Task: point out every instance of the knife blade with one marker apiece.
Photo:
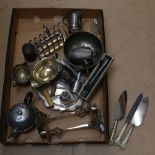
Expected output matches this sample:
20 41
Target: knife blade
137 120
128 119
118 114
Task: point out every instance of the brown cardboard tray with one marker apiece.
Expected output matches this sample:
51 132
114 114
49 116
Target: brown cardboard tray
22 29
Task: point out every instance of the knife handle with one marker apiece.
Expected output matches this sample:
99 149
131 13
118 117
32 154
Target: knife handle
126 139
113 132
121 134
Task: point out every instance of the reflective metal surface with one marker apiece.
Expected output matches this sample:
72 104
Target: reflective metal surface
137 120
21 117
95 123
83 40
118 114
74 21
21 75
120 107
128 119
44 71
77 84
134 108
95 77
64 63
72 107
59 104
139 115
50 41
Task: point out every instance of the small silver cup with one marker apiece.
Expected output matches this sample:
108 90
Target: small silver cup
74 21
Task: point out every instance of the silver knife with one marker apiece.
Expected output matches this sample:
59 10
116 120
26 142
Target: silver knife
118 114
137 120
128 119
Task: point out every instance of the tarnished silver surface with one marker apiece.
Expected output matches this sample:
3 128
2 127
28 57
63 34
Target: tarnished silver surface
21 116
21 113
43 118
113 132
128 119
83 40
74 21
95 77
95 123
120 107
59 102
63 62
51 40
137 120
77 84
21 75
73 107
75 102
118 114
61 87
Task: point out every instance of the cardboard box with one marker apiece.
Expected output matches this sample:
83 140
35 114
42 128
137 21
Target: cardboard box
23 28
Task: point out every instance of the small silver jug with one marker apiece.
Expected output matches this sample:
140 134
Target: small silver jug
74 21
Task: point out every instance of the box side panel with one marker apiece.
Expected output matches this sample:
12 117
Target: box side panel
7 76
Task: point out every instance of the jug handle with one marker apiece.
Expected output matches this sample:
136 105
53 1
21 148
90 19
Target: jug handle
63 20
28 98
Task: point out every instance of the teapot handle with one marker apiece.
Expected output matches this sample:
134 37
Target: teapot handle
28 98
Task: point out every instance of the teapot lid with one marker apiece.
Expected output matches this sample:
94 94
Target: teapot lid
19 113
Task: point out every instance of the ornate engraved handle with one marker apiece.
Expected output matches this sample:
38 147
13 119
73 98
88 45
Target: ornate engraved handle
121 134
125 141
113 133
56 131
